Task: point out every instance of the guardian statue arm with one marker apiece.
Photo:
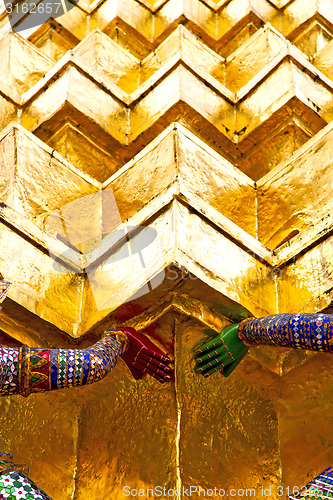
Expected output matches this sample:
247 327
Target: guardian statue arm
300 331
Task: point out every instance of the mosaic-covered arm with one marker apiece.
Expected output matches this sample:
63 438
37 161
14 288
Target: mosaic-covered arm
15 484
301 331
319 488
31 369
26 370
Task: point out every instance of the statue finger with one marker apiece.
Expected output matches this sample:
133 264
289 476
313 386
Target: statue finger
210 345
159 375
158 362
211 370
229 369
147 367
212 365
214 353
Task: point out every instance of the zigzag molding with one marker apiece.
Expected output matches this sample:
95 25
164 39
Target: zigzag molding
174 203
285 70
182 159
97 50
212 20
124 279
239 129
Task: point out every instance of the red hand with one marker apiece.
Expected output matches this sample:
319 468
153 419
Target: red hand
143 357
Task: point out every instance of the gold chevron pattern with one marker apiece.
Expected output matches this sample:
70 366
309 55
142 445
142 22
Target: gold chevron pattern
168 165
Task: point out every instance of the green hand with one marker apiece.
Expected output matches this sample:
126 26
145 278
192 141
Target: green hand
223 352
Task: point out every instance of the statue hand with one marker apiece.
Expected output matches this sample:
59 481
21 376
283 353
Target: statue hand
223 352
144 357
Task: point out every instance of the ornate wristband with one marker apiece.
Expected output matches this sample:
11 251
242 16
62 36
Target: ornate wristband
241 332
121 337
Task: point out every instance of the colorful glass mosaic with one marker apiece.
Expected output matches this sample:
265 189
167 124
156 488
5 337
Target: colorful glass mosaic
9 368
29 369
319 488
15 485
300 331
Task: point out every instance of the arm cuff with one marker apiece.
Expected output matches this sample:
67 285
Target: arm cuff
121 337
241 332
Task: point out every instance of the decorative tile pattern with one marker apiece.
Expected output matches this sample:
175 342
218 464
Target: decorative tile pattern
9 358
319 488
16 485
303 331
62 368
27 370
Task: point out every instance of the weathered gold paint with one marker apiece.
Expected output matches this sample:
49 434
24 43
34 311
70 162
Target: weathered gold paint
210 121
21 64
53 39
304 200
322 59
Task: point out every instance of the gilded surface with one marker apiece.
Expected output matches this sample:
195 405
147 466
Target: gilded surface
207 124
